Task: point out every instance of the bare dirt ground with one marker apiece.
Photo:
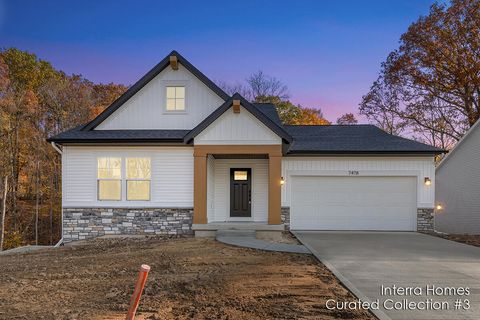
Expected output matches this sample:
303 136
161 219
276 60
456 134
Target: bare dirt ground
473 240
189 279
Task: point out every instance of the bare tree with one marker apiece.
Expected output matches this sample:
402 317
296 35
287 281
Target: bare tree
381 107
262 85
347 119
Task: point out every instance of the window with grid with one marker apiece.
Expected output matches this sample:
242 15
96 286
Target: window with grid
176 98
109 178
138 173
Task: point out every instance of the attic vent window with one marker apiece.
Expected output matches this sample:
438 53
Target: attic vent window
175 98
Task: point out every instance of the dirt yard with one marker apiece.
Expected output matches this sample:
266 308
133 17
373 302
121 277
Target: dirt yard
190 279
473 240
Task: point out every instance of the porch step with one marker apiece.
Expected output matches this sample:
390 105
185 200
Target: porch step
241 226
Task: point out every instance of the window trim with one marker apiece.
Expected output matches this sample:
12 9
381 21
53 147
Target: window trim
175 83
123 176
109 179
98 189
138 179
141 180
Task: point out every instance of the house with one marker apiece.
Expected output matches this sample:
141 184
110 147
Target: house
458 186
176 155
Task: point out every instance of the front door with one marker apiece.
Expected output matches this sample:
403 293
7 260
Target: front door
240 192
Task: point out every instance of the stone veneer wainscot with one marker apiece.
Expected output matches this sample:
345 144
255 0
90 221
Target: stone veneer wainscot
425 222
86 223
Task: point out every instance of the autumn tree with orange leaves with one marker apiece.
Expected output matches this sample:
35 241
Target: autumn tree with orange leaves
430 85
37 101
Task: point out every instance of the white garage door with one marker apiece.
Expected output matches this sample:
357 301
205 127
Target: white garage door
353 203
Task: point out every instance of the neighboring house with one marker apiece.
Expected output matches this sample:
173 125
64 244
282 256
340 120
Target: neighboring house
176 155
458 186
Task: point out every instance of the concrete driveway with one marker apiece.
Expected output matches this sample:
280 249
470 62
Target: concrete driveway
364 261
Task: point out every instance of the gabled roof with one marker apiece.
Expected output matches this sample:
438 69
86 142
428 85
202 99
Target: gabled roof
277 128
473 128
146 79
270 111
352 139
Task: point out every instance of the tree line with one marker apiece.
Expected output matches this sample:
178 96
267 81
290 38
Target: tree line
38 101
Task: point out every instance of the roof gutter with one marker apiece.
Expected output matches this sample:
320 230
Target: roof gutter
54 145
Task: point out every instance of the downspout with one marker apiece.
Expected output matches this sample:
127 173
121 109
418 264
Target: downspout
54 145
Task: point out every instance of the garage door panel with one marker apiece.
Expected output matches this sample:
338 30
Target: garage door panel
353 203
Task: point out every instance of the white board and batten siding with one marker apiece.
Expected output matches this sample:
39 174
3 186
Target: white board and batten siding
417 167
237 129
171 176
219 181
147 108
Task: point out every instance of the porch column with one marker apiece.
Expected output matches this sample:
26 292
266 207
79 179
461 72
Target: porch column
274 189
200 189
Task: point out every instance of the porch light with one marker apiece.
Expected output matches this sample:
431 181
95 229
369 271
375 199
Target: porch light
439 207
427 181
282 181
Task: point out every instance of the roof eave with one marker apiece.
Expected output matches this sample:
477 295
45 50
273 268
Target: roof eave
365 152
146 140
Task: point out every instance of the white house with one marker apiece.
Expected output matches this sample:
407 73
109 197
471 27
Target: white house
458 186
177 155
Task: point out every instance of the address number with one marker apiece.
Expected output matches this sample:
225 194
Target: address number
353 173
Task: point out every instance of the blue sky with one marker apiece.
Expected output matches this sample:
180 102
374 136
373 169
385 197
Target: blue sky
327 52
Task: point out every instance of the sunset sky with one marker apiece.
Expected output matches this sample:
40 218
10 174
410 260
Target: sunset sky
327 53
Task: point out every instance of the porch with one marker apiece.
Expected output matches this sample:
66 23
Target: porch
237 187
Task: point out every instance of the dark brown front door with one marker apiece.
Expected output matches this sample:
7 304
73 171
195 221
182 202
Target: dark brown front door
240 192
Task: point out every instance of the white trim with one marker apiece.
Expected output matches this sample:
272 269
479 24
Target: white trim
175 83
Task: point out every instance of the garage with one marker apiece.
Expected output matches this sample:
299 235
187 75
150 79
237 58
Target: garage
353 203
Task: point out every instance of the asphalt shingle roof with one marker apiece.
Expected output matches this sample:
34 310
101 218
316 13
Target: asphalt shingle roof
351 139
270 111
330 139
78 135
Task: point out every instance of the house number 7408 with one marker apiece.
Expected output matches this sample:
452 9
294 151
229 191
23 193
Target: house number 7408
353 173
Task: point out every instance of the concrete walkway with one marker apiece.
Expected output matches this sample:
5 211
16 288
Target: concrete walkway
247 239
366 261
25 249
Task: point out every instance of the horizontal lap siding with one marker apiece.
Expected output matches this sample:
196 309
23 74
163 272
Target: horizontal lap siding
421 167
171 179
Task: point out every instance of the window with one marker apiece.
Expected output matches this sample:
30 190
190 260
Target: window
138 174
240 175
109 175
175 98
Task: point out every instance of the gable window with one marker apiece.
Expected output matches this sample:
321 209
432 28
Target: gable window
175 98
109 178
138 173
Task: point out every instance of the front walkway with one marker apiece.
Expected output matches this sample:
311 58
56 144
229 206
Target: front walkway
247 239
366 261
